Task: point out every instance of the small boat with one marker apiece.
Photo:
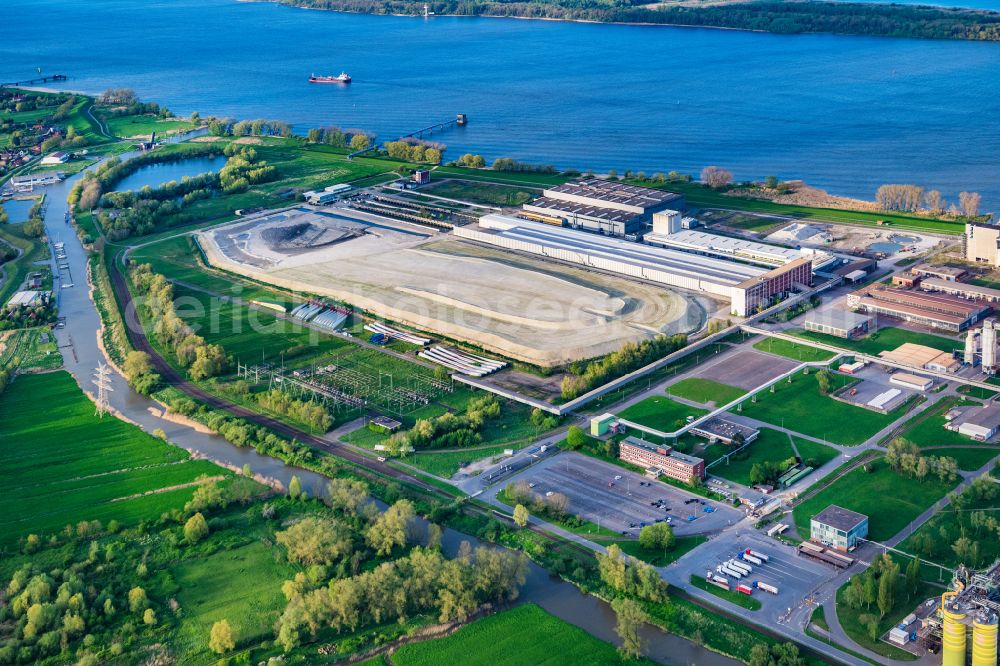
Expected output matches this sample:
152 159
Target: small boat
343 78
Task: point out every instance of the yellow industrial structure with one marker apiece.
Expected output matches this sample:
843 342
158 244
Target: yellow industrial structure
972 606
984 639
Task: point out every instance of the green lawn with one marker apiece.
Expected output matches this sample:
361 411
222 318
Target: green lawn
792 350
661 413
889 500
732 596
523 635
657 557
142 126
701 196
447 464
927 431
775 447
882 340
242 585
71 465
252 335
704 391
802 408
481 193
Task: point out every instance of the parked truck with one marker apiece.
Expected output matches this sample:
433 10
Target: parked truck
766 587
741 566
730 572
750 558
745 589
756 553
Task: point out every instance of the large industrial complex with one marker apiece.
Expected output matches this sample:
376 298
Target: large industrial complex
745 286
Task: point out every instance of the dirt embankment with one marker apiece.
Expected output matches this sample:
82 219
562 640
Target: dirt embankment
802 194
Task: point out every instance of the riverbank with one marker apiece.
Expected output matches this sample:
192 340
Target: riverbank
877 20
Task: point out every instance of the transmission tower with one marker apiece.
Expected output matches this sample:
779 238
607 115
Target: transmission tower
102 379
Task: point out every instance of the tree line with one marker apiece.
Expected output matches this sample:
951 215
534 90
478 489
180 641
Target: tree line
355 139
768 16
412 150
905 458
913 198
201 360
632 356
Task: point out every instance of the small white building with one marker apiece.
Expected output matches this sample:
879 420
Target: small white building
909 381
980 423
58 157
28 299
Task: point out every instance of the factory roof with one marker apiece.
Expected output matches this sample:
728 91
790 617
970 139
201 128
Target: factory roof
928 269
699 241
26 298
918 356
839 319
613 191
954 286
840 518
662 449
547 204
986 417
933 305
604 248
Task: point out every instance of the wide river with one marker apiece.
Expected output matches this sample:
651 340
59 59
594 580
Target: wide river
844 113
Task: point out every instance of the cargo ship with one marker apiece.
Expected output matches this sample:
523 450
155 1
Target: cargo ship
343 78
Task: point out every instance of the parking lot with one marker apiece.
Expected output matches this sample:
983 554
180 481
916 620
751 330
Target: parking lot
746 368
795 577
626 503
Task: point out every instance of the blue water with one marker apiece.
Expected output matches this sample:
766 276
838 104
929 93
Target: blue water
844 113
17 209
155 175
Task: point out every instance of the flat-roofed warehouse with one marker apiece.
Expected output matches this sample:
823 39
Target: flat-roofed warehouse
747 287
929 309
741 249
839 323
970 291
610 207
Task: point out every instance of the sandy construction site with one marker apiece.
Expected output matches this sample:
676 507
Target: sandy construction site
523 307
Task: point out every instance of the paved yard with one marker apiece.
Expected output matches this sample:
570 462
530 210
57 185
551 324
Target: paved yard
746 368
585 481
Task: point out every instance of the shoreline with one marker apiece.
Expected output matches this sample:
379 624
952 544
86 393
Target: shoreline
648 24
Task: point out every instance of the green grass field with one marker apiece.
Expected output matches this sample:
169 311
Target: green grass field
791 350
799 406
141 126
251 335
889 500
661 413
523 635
657 557
446 464
882 340
772 446
700 196
242 585
927 431
481 193
704 391
72 466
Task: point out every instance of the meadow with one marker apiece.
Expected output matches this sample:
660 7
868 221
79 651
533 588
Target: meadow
656 556
927 431
882 340
772 446
890 500
72 465
661 413
800 406
792 350
142 126
523 635
704 391
481 193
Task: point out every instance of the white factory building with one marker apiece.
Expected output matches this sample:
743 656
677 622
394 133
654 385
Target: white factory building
746 286
668 231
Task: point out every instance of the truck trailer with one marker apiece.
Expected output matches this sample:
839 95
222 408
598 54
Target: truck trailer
740 566
759 555
766 587
750 558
